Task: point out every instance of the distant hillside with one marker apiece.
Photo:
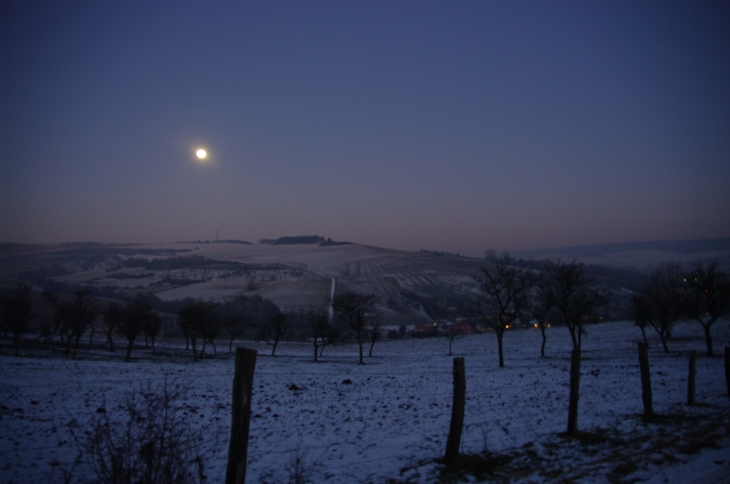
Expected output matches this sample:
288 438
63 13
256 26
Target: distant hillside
301 239
299 272
639 255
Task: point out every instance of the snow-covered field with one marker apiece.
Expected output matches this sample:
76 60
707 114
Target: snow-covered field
392 420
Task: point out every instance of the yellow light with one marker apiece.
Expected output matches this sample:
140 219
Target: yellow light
536 325
201 154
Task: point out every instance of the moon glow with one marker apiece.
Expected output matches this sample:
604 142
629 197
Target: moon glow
201 154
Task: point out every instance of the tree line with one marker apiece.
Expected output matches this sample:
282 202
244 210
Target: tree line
562 292
67 319
559 294
673 294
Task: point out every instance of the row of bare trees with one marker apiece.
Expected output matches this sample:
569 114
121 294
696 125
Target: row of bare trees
672 294
563 292
562 289
203 321
73 317
131 319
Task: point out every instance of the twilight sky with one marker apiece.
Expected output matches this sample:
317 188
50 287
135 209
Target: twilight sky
456 126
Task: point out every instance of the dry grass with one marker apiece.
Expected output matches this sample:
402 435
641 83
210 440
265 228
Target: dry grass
666 440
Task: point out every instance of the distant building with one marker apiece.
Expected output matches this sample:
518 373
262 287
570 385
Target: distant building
425 330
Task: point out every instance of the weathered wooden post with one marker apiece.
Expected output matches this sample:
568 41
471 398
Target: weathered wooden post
691 377
645 380
574 394
242 389
457 412
727 369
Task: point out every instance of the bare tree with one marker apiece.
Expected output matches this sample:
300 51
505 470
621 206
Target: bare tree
577 303
541 309
93 326
663 296
321 328
358 310
503 298
641 312
57 326
454 331
260 310
209 328
81 312
233 318
152 329
575 298
73 317
273 332
332 337
707 296
193 319
112 315
135 317
16 312
374 332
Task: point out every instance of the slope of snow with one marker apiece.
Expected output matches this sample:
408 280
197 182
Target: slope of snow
392 420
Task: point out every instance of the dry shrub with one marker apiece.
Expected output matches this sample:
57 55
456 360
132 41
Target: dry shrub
149 440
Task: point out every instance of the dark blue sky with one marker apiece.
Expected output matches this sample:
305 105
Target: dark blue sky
455 126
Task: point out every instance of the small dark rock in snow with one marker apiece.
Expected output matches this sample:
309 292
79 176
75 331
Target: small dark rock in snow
347 381
294 387
101 410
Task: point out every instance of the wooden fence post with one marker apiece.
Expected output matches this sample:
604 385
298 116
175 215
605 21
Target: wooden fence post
574 394
691 377
457 412
727 369
645 380
242 389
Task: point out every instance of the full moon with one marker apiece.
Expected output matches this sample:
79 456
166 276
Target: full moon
201 154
